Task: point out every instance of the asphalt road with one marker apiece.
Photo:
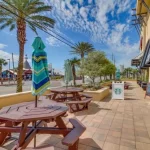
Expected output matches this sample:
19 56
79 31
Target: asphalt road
8 89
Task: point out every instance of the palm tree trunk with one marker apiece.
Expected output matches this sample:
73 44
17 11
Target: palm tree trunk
74 75
100 78
110 76
21 37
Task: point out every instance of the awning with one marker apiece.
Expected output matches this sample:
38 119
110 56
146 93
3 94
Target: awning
140 8
137 60
146 57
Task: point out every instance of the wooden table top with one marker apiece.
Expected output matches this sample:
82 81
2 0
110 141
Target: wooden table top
27 112
67 90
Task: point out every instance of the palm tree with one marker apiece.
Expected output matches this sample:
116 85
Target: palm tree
3 62
74 62
82 49
28 15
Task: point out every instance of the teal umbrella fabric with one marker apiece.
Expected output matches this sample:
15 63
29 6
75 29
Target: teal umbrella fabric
118 74
68 72
40 74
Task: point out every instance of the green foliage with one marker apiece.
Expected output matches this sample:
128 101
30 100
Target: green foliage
26 9
3 62
82 49
56 77
20 14
96 64
75 62
128 71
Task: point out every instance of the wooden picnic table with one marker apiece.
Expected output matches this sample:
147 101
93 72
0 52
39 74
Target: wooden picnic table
65 93
71 97
27 115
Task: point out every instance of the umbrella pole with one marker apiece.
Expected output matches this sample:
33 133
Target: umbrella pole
35 122
36 101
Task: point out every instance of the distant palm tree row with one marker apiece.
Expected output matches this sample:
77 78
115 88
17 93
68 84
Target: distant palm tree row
128 72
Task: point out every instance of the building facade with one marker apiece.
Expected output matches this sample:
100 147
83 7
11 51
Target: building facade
142 24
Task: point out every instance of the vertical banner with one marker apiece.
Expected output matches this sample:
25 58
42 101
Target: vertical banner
118 90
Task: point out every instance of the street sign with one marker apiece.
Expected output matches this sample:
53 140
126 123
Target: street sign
118 90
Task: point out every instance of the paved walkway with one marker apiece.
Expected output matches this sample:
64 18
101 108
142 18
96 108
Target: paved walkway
111 124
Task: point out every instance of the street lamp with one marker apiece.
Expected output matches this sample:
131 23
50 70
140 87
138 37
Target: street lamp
9 71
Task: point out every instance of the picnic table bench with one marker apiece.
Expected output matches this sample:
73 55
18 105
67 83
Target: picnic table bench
31 119
71 97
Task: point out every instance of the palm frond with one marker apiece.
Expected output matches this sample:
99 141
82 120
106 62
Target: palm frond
28 9
12 27
82 48
7 24
32 27
40 9
43 19
2 20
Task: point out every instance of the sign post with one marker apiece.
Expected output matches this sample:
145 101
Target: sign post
118 90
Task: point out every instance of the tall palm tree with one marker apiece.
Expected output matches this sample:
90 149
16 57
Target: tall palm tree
3 62
74 62
29 13
82 49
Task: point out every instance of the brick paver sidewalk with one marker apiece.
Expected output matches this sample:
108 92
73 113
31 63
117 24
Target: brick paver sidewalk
112 124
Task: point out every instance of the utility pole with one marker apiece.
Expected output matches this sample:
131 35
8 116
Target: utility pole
13 67
114 61
112 57
114 65
9 71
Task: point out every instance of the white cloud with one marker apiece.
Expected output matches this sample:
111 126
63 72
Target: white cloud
80 2
55 42
2 46
90 1
101 29
123 6
84 12
52 41
6 55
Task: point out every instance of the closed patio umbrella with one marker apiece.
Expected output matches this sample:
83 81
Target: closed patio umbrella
68 72
40 74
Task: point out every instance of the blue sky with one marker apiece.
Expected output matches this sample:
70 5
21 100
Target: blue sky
104 23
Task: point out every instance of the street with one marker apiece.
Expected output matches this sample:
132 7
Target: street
8 89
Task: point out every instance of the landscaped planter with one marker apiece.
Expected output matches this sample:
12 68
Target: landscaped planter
99 94
15 98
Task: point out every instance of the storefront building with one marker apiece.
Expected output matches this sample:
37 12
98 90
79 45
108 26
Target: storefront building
142 24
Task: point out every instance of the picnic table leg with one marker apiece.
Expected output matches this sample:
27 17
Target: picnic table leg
54 96
22 135
60 123
3 135
74 146
77 96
